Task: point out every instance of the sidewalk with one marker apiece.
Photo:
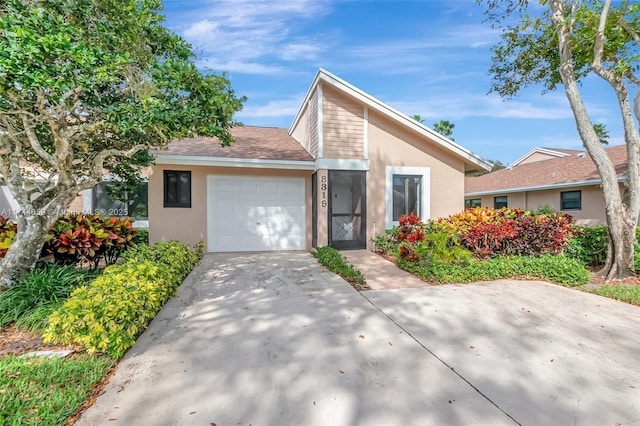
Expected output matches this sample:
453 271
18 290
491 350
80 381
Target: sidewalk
379 273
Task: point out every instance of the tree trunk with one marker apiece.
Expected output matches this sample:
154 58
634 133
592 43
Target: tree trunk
621 225
619 263
25 249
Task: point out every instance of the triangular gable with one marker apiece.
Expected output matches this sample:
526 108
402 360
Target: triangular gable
539 154
373 103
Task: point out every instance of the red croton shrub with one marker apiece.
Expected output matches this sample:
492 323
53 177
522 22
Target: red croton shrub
410 232
504 232
77 238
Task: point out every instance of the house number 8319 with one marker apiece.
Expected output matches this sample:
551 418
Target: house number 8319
323 190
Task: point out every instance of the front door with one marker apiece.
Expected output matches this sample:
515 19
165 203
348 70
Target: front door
347 212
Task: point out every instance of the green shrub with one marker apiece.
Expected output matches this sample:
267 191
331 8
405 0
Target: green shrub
386 243
589 245
7 235
336 263
441 245
109 314
558 269
30 301
77 238
141 237
506 232
624 293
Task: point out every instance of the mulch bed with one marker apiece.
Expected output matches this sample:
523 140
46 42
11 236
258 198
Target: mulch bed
17 342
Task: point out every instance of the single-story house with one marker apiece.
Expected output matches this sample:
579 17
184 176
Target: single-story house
347 168
567 180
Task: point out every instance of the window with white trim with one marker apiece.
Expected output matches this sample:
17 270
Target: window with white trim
407 192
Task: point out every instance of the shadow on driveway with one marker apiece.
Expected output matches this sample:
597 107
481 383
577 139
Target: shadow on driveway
275 339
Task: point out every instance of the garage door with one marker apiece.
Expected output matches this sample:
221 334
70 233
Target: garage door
248 213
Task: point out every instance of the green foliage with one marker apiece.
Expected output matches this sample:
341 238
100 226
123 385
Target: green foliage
77 238
336 263
545 209
141 237
505 232
440 244
7 235
386 243
557 269
30 301
624 293
445 128
589 245
84 87
109 314
46 391
528 51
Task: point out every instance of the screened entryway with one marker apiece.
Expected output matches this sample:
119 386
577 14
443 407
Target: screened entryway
347 209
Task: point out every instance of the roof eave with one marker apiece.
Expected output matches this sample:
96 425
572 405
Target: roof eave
562 185
191 160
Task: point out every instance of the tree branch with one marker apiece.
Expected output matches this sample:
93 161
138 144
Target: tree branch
628 28
35 143
98 162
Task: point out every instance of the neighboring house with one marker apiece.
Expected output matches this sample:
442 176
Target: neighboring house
567 180
345 171
95 201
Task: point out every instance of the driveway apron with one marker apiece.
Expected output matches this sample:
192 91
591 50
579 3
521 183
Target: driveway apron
275 339
545 354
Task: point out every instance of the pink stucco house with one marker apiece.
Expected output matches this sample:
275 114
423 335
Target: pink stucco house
565 179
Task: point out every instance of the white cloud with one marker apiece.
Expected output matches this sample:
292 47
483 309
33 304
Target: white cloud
463 105
240 32
275 108
240 66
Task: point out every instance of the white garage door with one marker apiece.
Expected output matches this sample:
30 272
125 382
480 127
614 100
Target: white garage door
255 213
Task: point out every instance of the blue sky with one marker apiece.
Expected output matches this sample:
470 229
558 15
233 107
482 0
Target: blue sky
427 57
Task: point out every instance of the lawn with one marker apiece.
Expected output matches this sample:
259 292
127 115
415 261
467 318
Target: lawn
46 391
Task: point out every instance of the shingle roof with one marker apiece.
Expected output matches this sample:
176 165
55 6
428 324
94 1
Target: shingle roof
251 142
556 171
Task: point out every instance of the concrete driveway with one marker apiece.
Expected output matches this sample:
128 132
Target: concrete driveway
274 339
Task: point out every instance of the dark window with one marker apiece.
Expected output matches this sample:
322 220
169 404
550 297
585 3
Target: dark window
134 203
407 195
472 202
499 202
177 188
571 200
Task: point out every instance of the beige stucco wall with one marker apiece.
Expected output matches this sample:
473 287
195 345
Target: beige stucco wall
391 144
537 156
592 212
190 224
